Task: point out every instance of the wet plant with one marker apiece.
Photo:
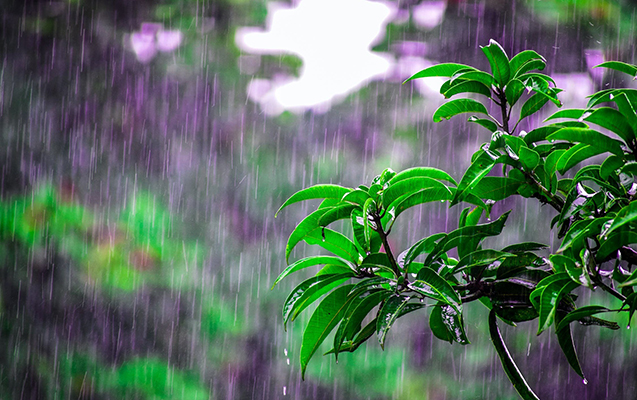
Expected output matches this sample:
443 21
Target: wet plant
365 285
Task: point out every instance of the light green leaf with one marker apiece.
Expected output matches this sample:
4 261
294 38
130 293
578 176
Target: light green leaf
550 296
422 196
610 166
480 76
316 192
512 371
327 315
529 158
445 70
468 87
530 66
422 246
426 172
499 62
572 113
485 123
619 66
577 154
522 58
513 91
576 271
311 261
409 186
612 120
334 242
458 106
496 188
590 137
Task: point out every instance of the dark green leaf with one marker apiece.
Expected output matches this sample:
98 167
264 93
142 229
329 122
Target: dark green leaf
327 315
631 302
512 371
565 339
582 229
316 192
590 137
575 270
446 69
377 261
451 321
539 134
530 66
479 257
309 291
430 284
422 246
549 297
610 166
532 105
577 154
526 246
479 167
458 106
355 315
388 315
625 216
499 62
580 314
437 325
612 242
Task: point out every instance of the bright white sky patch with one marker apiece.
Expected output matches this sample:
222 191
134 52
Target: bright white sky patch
333 38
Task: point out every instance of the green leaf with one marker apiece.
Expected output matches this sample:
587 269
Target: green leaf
499 62
576 271
304 228
530 66
512 371
612 242
422 196
446 69
612 120
525 246
458 106
355 315
336 213
590 137
532 105
426 172
334 242
467 234
309 291
539 134
388 315
572 113
311 261
496 188
422 246
625 216
328 314
577 154
626 108
610 166
428 283
513 91
480 76
582 229
522 58
550 296
480 166
565 339
368 209
377 261
631 302
437 324
316 192
479 257
619 66
485 123
356 196
452 322
630 281
468 87
409 186
529 158
580 314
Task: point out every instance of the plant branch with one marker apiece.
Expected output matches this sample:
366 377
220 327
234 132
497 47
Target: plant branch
503 108
383 238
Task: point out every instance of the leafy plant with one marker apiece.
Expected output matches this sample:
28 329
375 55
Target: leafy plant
364 286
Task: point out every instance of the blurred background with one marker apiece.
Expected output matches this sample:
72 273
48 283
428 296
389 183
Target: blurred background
146 146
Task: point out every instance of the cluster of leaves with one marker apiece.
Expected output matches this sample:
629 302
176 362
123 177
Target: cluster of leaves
364 288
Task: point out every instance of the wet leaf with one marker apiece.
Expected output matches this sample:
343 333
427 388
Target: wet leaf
580 314
511 370
496 188
447 324
388 314
316 192
430 284
458 106
532 105
590 137
619 66
525 246
565 340
612 120
311 261
426 172
409 186
334 242
468 87
529 158
513 91
479 257
625 216
422 246
499 62
577 154
486 123
326 316
522 58
479 167
445 70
